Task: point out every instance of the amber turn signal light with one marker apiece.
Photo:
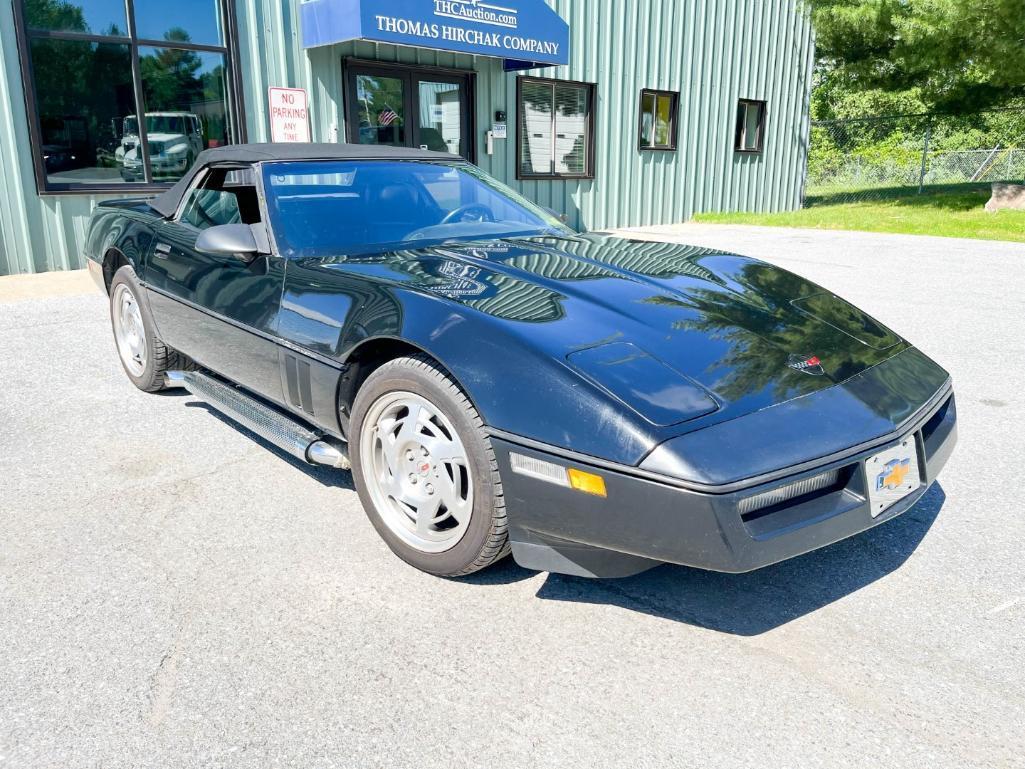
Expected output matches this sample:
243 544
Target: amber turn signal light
589 483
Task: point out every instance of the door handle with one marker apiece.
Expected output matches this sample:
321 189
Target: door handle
162 250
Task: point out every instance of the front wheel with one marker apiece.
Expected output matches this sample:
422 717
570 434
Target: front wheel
425 469
144 357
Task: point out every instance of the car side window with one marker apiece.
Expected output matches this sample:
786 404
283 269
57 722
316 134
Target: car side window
225 196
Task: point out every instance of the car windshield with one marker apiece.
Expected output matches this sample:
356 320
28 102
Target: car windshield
156 124
328 208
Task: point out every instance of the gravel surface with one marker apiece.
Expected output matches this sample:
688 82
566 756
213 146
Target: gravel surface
174 593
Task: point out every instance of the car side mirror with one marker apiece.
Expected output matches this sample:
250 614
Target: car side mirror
234 240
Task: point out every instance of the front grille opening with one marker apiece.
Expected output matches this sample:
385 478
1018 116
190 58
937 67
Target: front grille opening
936 419
795 493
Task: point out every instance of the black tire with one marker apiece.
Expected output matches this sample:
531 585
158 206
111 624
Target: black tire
486 538
159 357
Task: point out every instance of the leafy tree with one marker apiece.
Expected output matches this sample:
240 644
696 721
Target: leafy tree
55 14
943 55
174 80
169 75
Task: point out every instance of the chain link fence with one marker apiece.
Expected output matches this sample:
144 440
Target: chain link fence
877 157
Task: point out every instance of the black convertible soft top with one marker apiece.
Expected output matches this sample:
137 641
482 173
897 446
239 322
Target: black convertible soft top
166 203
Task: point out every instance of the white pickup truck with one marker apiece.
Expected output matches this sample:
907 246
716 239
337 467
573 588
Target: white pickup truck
175 140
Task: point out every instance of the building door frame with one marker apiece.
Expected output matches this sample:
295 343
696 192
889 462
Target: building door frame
412 76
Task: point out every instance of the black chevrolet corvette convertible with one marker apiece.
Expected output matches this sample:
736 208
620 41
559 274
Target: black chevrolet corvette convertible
497 382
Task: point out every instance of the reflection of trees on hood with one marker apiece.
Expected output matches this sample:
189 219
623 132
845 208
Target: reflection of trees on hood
515 297
762 329
653 259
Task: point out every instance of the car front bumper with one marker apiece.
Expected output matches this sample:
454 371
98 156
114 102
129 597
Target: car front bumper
96 273
645 521
161 167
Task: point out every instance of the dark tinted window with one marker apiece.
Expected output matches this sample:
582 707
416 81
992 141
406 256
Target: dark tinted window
750 126
79 123
194 21
99 17
90 129
186 106
658 120
382 118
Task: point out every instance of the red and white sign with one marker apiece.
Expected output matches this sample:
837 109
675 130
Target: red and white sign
289 115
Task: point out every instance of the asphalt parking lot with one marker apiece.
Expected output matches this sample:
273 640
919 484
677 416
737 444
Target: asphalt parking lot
176 594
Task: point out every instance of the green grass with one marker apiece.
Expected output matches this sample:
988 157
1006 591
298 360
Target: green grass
954 212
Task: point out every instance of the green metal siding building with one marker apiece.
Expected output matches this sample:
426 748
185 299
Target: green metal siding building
664 109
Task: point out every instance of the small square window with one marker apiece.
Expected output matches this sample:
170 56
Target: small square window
750 126
657 130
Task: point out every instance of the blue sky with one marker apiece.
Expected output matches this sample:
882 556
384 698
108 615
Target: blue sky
154 17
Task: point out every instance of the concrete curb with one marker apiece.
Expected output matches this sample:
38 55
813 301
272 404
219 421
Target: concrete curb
21 288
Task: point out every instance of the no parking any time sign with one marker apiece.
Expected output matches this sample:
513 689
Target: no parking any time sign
289 115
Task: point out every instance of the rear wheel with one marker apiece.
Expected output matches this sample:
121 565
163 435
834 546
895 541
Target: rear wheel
144 357
425 469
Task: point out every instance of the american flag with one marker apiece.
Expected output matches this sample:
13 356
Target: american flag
387 116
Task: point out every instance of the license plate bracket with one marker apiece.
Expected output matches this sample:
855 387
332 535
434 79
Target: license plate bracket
892 475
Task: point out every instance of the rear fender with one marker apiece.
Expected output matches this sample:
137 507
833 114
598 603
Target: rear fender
125 234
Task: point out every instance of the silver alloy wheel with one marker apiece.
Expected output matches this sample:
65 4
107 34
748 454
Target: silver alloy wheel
417 472
129 332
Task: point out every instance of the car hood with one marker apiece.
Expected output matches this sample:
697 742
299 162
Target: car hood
676 332
155 137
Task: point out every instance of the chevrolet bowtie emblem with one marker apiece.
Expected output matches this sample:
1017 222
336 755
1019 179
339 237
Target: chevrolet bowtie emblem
893 475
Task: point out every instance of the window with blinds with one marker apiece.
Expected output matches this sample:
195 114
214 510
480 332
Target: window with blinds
556 129
750 135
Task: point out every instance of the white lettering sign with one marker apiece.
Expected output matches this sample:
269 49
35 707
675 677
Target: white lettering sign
289 115
496 40
477 10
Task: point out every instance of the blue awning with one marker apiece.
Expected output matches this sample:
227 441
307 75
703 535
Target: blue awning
526 33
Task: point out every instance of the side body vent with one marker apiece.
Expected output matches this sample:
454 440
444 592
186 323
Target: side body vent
297 379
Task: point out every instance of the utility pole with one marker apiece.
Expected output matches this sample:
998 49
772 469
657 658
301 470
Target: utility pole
925 157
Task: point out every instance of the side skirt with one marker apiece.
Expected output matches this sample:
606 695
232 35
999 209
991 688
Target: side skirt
273 425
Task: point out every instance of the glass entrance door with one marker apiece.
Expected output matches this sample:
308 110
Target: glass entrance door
441 113
381 110
404 107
